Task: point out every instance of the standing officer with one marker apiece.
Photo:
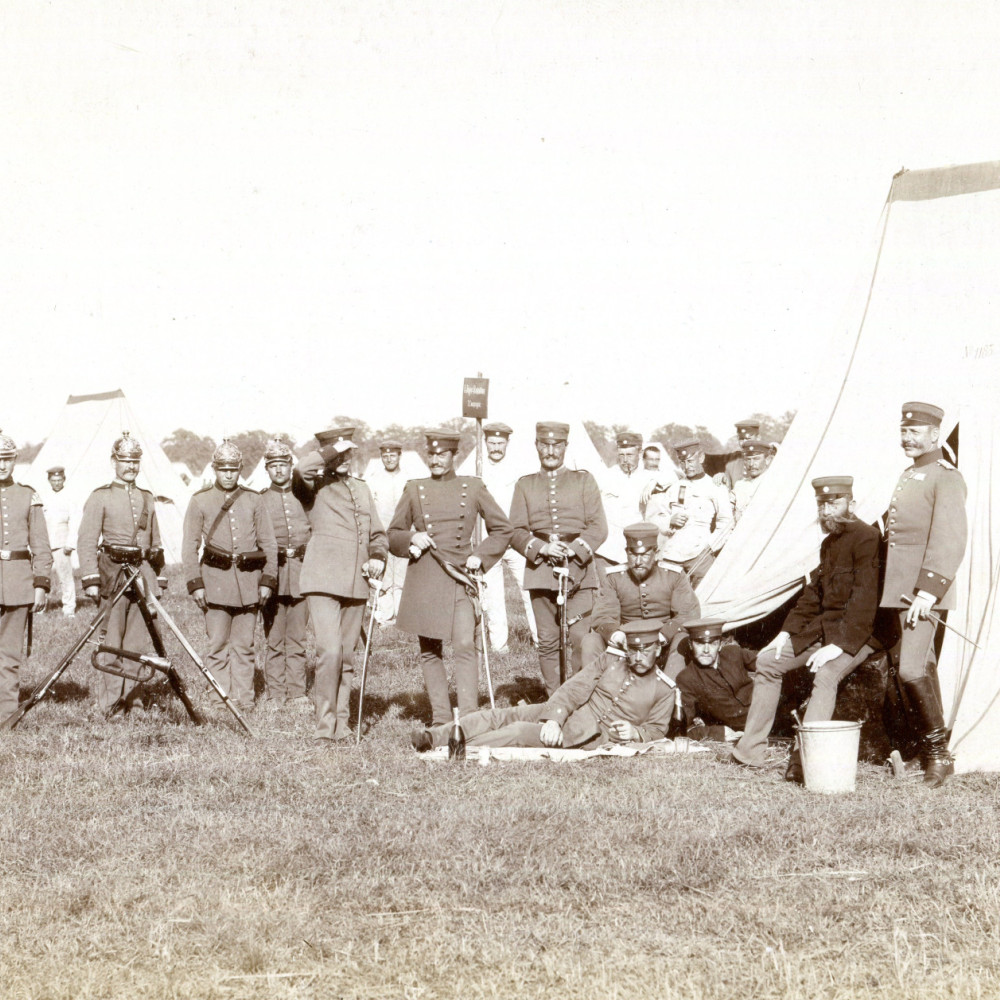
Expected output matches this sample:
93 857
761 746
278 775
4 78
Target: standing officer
344 558
285 615
640 589
621 493
118 530
61 521
238 570
500 478
757 457
25 564
433 524
558 521
926 534
746 430
386 483
828 630
694 515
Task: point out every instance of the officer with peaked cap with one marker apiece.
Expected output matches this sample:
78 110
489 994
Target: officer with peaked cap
344 558
25 564
713 680
559 523
926 533
386 481
746 430
500 478
433 526
640 589
694 515
757 457
236 572
830 627
621 697
62 519
285 613
119 530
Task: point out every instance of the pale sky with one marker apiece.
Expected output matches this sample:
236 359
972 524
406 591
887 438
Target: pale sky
261 215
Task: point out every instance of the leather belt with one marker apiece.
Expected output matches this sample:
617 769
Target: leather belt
285 554
554 536
220 559
14 554
129 555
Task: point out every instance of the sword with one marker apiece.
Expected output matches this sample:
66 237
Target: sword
486 639
376 590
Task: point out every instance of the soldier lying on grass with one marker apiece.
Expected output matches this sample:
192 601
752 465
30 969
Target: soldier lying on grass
614 698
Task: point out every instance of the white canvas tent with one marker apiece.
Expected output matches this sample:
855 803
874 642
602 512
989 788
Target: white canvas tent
81 440
410 463
924 328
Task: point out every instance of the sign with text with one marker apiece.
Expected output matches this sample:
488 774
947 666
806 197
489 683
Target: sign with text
475 392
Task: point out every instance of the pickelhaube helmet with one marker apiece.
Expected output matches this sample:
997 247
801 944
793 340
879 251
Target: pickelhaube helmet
277 451
227 456
8 449
126 448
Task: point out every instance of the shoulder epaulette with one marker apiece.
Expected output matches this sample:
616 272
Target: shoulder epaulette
106 486
204 489
616 569
671 566
663 677
945 464
36 500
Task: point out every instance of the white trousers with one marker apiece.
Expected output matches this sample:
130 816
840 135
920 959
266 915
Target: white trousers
494 599
63 565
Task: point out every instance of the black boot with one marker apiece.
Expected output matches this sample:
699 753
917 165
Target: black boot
938 763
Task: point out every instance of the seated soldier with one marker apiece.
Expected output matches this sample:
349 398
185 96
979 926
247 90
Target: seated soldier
639 589
713 680
615 698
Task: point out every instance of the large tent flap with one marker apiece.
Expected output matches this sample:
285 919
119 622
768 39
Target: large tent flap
922 327
81 440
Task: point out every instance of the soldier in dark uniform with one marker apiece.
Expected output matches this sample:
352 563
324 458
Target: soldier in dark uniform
713 680
345 557
433 525
285 615
237 569
558 521
617 698
118 530
25 565
926 534
830 628
640 589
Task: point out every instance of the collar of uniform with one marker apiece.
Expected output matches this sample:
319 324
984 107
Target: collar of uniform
552 473
280 489
216 486
928 458
447 477
4 483
121 484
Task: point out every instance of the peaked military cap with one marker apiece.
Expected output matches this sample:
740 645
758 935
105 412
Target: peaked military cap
748 425
685 445
8 449
56 470
704 629
642 632
277 450
335 434
551 430
227 456
126 448
497 430
390 444
833 486
441 440
641 537
629 439
751 446
921 415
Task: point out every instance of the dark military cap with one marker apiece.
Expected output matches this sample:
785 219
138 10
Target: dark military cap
921 415
497 430
747 425
751 446
335 434
439 441
704 629
641 537
56 470
642 632
551 431
833 486
629 439
390 444
687 444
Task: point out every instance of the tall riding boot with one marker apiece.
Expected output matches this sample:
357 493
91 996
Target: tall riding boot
938 763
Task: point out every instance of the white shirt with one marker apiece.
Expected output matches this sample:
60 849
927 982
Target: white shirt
710 518
62 519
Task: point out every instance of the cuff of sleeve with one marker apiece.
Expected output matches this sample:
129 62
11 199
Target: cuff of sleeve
531 550
196 584
91 581
932 582
584 553
42 583
378 553
557 715
266 580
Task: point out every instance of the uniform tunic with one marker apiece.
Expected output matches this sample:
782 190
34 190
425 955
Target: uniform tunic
291 531
25 563
119 514
665 594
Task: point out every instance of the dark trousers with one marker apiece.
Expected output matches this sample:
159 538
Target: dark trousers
285 620
466 669
543 604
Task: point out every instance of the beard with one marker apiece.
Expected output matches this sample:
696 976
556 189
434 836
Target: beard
834 525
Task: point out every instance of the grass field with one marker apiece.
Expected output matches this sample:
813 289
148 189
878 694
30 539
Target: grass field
144 857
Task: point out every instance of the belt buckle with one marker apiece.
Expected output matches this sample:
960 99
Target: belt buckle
5 554
290 553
